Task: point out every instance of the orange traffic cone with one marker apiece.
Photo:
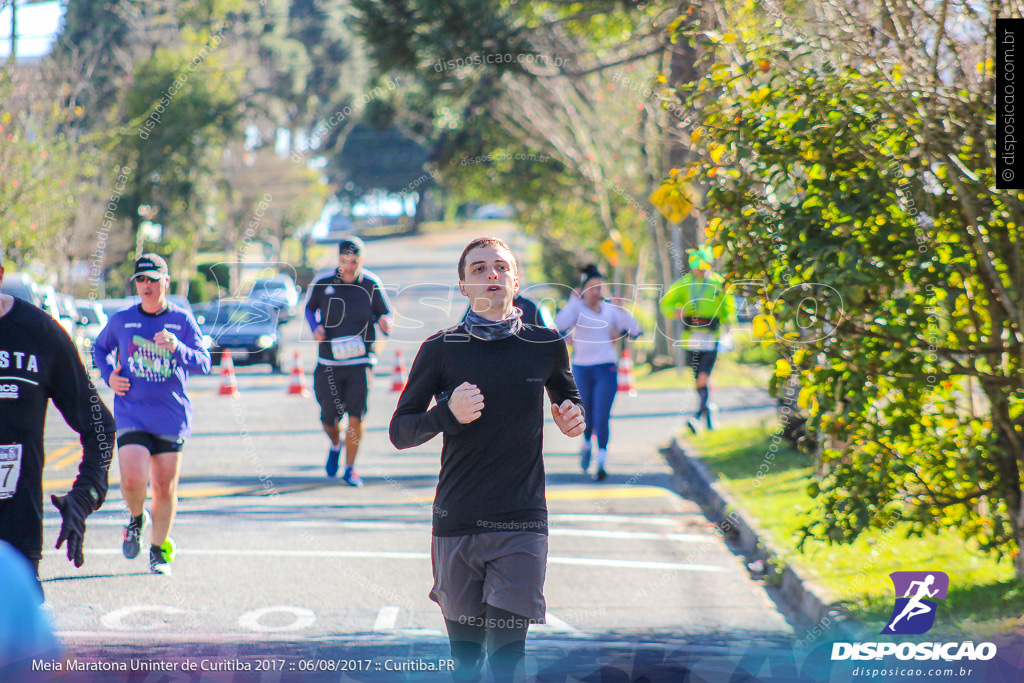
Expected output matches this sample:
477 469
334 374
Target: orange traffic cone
228 386
298 383
398 377
627 382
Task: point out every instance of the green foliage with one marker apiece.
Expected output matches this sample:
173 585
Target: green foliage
181 118
894 274
773 494
216 272
516 105
388 160
38 164
201 290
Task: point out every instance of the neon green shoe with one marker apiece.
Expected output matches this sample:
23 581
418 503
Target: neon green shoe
160 557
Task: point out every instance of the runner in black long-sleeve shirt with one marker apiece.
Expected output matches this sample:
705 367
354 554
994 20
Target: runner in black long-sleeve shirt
38 361
488 375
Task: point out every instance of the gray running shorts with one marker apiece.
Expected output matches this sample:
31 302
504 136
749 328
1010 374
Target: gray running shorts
505 569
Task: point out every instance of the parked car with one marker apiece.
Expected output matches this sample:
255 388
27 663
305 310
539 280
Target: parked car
91 318
247 330
91 321
69 315
22 286
490 212
281 292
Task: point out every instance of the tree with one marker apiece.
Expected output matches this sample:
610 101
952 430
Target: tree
852 173
180 122
37 168
266 198
547 76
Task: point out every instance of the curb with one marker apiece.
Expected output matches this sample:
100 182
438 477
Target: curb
694 480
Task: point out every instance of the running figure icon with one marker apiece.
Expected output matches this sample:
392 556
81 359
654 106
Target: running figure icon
914 606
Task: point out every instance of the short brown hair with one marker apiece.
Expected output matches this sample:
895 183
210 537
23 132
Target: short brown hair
485 242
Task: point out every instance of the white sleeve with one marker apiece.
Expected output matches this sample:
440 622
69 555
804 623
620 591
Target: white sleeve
568 316
624 320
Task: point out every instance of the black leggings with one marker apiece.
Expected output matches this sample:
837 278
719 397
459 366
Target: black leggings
504 635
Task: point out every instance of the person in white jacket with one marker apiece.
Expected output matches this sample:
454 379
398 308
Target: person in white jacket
596 325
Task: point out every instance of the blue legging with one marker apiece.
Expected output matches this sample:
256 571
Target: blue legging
597 385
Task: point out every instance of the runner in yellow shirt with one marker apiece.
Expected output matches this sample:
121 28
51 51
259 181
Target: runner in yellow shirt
700 301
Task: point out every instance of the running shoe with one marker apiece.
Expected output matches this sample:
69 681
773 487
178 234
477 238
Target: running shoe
351 478
692 424
601 474
160 557
132 542
332 461
585 458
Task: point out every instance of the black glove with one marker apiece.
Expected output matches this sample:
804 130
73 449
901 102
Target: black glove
74 508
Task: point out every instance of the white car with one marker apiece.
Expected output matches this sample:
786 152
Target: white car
279 291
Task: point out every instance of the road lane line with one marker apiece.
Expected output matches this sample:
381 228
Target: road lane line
591 493
554 625
74 456
613 519
358 638
632 564
387 617
553 531
393 555
632 535
60 452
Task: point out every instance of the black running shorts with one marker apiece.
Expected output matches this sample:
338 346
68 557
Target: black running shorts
341 389
701 361
152 442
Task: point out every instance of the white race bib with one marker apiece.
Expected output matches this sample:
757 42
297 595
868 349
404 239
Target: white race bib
344 348
10 469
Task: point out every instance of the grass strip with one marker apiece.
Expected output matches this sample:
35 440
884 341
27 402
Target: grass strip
984 596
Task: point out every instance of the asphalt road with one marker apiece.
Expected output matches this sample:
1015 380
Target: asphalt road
278 563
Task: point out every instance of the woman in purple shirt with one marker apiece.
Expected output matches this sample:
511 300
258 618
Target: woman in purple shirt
155 345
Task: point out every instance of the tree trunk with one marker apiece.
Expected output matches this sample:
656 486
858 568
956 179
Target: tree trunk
1010 446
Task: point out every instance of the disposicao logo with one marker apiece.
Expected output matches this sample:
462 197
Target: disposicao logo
913 613
916 596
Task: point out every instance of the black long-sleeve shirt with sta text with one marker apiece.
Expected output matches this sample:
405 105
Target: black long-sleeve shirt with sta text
38 361
492 471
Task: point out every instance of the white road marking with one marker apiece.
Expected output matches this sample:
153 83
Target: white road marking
304 618
425 523
633 564
386 555
554 625
633 535
387 617
614 519
115 618
420 632
602 646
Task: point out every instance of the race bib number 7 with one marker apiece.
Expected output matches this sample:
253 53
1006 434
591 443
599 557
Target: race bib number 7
344 348
10 469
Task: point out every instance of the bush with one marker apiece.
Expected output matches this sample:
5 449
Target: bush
217 272
201 290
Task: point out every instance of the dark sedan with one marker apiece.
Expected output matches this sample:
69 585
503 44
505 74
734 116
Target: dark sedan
245 330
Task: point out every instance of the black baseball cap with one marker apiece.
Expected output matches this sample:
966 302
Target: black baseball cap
151 265
350 245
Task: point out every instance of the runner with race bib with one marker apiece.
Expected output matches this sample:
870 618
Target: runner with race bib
699 300
342 311
38 361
